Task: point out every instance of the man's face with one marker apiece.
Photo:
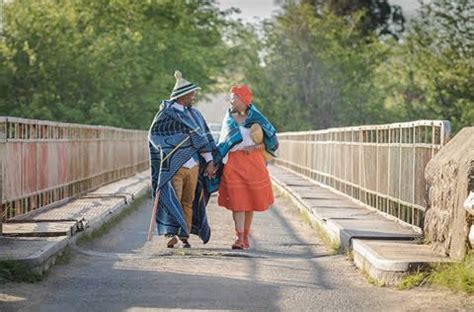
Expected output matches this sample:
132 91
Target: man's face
187 99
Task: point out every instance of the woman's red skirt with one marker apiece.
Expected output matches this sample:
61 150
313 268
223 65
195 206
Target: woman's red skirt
245 183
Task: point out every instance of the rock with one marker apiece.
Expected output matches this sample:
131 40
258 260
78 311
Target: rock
448 176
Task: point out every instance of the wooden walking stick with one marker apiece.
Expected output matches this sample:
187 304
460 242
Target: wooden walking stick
153 215
156 201
157 193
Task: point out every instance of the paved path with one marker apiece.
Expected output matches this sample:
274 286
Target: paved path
287 269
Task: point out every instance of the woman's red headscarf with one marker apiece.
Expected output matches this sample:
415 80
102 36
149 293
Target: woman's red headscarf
243 92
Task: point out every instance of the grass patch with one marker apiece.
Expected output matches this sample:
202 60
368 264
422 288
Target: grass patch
14 271
106 227
180 252
415 279
350 255
459 277
325 238
333 246
372 280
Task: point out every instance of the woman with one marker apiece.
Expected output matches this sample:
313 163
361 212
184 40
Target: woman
245 184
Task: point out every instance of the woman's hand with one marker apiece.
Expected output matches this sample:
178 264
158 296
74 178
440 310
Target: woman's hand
210 170
248 149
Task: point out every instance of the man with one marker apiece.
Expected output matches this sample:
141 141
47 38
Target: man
181 148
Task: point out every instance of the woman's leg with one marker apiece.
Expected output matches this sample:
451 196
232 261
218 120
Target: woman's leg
247 225
239 221
248 220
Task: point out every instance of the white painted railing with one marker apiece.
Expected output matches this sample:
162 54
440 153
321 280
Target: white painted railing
43 162
381 166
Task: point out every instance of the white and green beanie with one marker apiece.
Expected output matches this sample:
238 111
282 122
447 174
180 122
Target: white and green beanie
182 86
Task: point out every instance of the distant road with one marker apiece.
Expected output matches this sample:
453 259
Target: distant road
213 107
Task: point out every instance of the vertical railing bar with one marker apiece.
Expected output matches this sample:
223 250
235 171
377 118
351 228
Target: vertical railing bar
359 182
389 167
414 176
442 138
353 161
377 168
400 135
433 139
346 178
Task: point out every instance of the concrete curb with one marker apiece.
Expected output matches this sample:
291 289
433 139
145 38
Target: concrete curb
98 222
385 269
42 260
332 232
362 258
367 262
364 251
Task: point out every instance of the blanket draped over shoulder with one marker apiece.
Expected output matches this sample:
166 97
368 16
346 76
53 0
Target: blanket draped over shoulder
230 136
179 139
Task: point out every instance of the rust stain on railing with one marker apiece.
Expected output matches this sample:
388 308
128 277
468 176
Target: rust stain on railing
380 166
43 163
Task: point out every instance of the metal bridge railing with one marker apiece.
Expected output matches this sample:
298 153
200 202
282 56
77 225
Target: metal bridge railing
380 166
43 163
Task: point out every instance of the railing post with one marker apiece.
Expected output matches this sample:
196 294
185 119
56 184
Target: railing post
359 181
377 143
3 141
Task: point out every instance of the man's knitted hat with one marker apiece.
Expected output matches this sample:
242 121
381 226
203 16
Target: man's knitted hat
182 86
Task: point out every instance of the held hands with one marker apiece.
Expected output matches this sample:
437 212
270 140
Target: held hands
210 170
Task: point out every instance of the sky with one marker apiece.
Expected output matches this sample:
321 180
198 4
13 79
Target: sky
409 6
251 9
254 10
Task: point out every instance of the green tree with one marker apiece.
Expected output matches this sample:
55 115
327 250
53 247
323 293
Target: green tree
316 71
379 15
430 73
105 61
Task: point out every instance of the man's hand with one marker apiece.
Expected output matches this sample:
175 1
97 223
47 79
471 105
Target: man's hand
210 170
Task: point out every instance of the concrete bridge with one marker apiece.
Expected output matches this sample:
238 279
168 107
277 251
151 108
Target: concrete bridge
371 190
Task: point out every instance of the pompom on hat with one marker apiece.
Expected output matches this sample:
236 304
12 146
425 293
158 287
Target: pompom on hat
182 86
243 92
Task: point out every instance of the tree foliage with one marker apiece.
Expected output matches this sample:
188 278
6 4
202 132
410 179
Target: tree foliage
430 74
321 69
104 61
379 16
317 71
318 64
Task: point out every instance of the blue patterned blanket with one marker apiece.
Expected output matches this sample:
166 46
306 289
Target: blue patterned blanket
179 139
